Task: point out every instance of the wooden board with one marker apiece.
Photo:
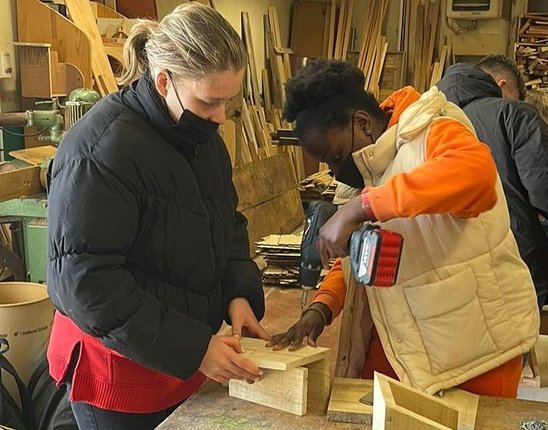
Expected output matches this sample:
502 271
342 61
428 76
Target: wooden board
397 406
344 403
19 183
82 16
35 156
252 66
272 204
266 358
37 23
283 390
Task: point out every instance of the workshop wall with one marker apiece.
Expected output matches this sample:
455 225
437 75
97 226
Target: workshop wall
10 99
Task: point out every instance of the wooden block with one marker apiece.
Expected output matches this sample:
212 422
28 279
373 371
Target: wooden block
397 406
293 381
19 183
283 390
266 358
34 156
344 403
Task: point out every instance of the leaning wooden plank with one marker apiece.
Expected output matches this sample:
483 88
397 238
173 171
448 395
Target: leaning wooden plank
20 183
248 40
339 39
344 403
82 16
331 39
286 391
34 156
348 25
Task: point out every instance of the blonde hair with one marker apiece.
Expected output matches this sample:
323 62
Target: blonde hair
192 41
539 99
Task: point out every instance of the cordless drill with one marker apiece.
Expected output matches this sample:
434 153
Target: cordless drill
374 253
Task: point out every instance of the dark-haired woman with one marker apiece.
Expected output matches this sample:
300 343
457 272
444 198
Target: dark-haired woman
463 310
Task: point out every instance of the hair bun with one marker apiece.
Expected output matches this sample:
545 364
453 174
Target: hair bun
317 82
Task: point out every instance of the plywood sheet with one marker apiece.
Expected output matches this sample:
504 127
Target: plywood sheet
266 358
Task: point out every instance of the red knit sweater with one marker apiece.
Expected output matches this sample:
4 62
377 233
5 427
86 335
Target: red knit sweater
107 379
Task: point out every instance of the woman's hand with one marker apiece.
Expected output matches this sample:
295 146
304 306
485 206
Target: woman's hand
335 234
223 362
243 320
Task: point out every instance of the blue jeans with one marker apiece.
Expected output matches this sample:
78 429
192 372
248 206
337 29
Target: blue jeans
91 417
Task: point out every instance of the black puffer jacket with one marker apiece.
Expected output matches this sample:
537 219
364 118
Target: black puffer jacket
518 139
146 248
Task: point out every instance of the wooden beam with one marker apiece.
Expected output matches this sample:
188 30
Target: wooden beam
348 26
19 183
331 39
34 156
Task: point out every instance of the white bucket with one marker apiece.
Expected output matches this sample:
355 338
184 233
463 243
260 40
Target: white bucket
26 317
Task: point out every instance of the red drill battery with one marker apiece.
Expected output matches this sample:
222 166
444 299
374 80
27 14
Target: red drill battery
375 255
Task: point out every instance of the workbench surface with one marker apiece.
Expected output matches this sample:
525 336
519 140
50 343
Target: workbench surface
212 409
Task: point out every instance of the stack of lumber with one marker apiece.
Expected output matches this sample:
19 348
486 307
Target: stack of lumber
420 26
318 186
281 253
273 81
531 51
373 46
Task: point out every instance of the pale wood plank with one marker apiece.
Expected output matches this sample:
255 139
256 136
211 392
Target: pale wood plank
82 16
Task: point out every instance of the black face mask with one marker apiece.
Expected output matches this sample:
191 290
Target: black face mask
195 130
348 171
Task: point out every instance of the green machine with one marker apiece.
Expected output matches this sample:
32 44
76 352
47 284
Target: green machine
24 219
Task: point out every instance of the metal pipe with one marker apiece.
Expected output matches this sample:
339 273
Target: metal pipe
13 119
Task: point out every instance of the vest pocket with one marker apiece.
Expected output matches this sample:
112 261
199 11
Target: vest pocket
450 321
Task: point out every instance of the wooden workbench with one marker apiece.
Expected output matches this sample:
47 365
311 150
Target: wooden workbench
212 409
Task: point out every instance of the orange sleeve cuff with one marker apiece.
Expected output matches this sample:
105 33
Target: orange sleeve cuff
332 291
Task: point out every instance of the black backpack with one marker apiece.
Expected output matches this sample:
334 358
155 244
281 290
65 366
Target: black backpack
51 405
10 414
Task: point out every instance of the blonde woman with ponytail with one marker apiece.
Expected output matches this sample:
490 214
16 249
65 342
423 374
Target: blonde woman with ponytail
147 253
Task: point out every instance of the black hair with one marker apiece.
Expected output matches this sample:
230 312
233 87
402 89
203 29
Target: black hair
502 65
324 95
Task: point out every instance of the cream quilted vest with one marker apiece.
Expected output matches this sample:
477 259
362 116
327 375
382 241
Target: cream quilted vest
464 302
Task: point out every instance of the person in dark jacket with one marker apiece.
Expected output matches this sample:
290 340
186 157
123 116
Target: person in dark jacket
506 74
147 252
518 139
